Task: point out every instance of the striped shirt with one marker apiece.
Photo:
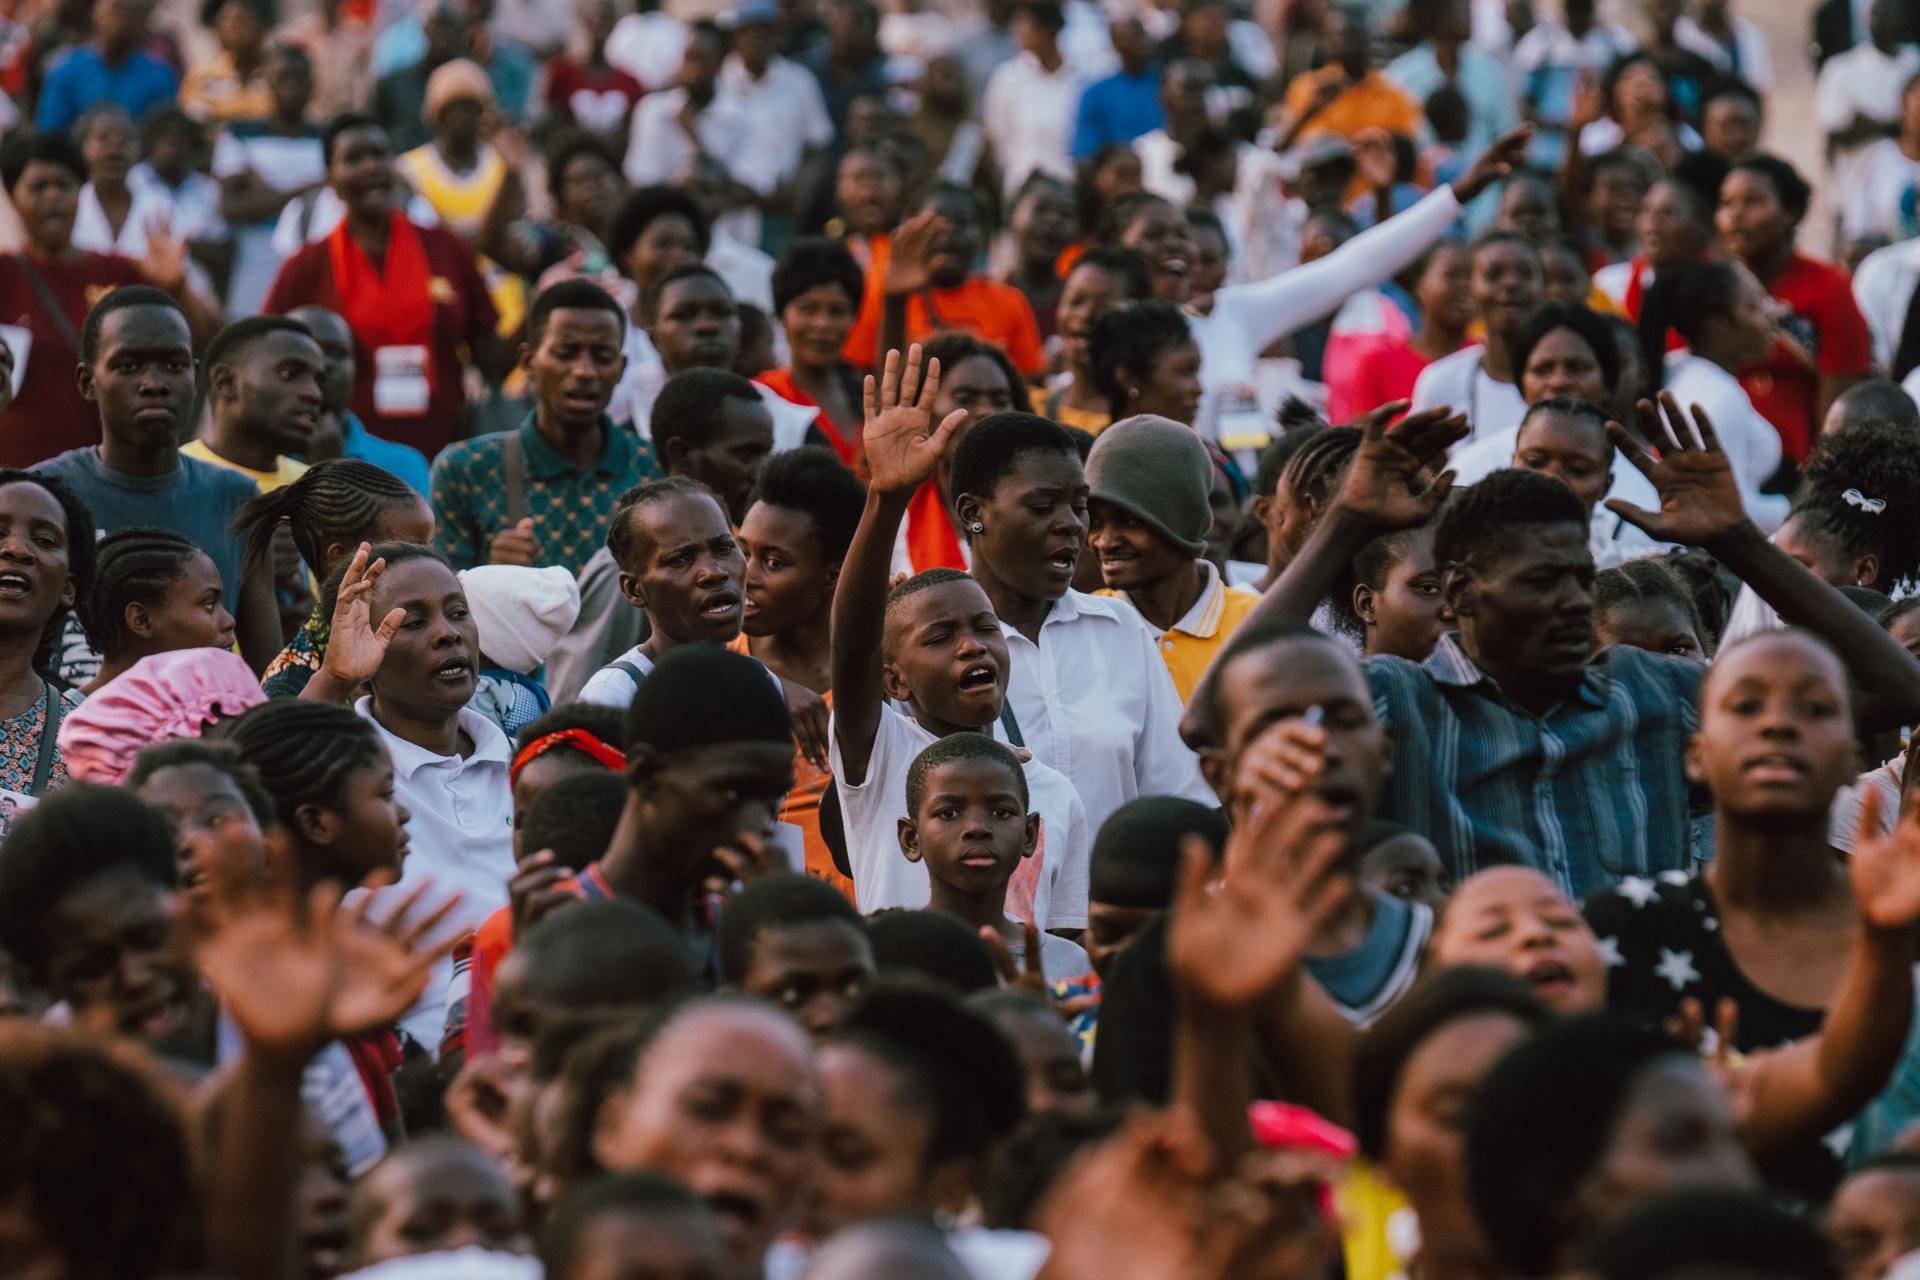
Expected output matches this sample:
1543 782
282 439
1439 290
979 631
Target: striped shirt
1591 791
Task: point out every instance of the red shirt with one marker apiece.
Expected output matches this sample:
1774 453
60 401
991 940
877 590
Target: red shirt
600 100
462 315
844 439
997 314
1824 334
48 416
1383 373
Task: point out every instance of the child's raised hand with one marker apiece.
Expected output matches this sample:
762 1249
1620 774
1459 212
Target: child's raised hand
903 446
1027 974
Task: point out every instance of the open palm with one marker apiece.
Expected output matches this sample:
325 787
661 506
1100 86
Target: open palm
1885 869
355 646
1387 483
1699 497
903 446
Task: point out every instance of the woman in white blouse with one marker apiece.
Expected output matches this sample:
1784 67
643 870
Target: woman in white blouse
1727 320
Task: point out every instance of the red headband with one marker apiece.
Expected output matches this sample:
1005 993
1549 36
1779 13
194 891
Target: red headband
578 739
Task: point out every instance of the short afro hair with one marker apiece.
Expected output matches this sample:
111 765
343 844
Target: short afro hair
961 746
1708 1231
570 145
785 899
690 406
815 262
241 334
565 1235
221 756
344 123
608 724
620 539
1540 1121
30 146
932 944
953 347
124 298
645 205
73 837
577 294
1125 265
992 449
938 576
812 480
1788 186
576 817
616 954
1127 340
1483 519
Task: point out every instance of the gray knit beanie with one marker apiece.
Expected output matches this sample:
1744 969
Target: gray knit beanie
1159 471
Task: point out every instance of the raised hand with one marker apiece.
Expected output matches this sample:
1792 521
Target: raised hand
1132 1207
356 646
1699 497
165 262
1885 869
1231 940
1387 482
910 254
903 446
1499 160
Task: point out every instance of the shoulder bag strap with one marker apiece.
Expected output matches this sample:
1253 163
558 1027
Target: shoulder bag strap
44 291
513 463
49 736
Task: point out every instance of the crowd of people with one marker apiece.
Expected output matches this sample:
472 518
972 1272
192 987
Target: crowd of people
1082 639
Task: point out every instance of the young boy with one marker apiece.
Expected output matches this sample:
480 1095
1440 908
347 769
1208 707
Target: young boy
968 824
633 1224
1149 480
799 943
933 643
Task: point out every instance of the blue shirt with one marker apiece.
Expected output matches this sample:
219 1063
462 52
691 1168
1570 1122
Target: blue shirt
1591 791
80 77
403 460
1117 109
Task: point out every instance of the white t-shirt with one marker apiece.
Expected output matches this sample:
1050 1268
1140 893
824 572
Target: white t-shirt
1457 382
1610 533
871 812
1862 83
1882 177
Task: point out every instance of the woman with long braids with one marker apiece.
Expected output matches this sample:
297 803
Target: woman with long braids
153 591
329 511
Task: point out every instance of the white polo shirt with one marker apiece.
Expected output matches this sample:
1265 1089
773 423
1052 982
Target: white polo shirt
460 833
1094 699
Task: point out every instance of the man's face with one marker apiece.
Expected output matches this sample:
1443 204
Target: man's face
754 42
1133 554
360 170
1506 285
575 366
946 655
589 188
729 464
954 253
1731 126
706 798
689 573
1525 605
271 390
972 828
1281 682
119 24
336 350
142 375
695 325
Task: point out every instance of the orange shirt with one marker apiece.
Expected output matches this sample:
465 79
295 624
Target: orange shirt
997 314
1372 102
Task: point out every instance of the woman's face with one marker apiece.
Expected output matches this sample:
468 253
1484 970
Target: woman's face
789 582
1528 207
190 615
117 959
1032 524
1776 735
589 189
1408 614
218 845
1753 319
1656 624
36 580
1090 292
976 386
1426 1143
111 149
1752 221
1043 223
1669 228
1569 449
1640 94
817 323
1170 385
1445 289
1160 235
1506 285
873 1145
667 242
727 1100
1514 918
431 665
47 197
1675 1129
1563 364
1209 261
239 30
1613 204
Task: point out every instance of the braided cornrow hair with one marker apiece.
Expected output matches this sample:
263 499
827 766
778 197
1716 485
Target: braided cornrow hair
303 751
334 502
134 566
1315 470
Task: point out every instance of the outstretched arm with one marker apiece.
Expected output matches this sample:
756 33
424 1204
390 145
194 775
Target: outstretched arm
903 451
1801 1092
1700 506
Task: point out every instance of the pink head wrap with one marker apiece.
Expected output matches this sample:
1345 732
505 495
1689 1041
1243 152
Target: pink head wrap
168 695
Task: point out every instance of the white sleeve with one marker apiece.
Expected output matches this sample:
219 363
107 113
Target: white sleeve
816 126
1876 288
1271 309
229 157
1756 60
992 111
1427 391
1832 104
1067 873
643 147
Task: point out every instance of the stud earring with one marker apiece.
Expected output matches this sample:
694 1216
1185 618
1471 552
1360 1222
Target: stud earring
976 527
1133 393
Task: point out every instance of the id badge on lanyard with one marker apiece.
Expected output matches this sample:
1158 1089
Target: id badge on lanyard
400 385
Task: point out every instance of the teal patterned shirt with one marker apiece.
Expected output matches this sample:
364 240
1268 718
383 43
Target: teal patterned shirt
569 508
